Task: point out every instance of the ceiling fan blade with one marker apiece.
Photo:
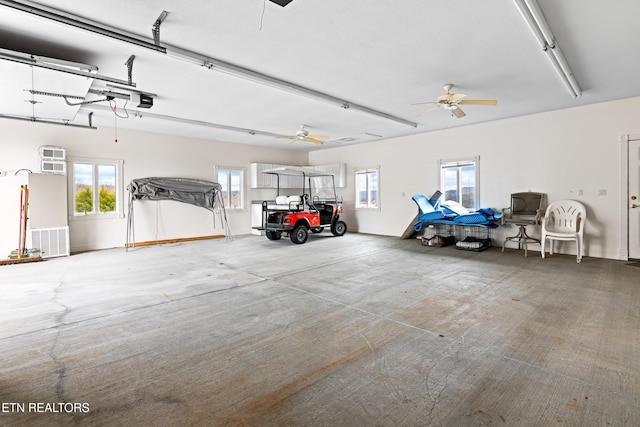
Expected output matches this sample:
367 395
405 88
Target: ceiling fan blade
318 136
455 97
478 102
293 140
422 103
428 111
457 111
286 136
314 141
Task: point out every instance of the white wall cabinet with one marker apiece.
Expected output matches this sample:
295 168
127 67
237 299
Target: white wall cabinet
265 180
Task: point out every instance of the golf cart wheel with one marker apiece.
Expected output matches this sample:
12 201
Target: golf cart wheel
299 234
339 228
273 235
317 229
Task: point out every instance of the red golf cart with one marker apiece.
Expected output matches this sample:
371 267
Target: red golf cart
317 208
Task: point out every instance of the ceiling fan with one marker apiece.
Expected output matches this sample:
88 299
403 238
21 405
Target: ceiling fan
303 135
452 101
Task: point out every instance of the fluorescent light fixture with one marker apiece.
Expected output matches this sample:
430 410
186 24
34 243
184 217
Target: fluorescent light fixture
534 18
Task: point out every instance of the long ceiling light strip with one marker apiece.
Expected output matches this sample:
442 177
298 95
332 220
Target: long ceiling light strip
193 57
537 23
78 22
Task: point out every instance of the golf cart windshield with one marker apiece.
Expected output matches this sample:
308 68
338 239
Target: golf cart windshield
321 188
318 184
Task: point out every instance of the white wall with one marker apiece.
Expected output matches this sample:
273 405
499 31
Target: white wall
557 153
144 155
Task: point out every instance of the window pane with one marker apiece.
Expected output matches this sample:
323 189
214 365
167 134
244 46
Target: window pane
224 182
94 187
236 185
367 189
107 185
83 188
468 186
450 183
361 190
459 183
373 189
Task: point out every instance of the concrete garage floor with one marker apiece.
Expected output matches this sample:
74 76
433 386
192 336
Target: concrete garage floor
352 331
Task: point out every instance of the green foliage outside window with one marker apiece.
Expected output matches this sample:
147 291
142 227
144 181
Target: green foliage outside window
107 200
84 200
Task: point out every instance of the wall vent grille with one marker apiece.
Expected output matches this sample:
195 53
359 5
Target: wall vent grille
51 242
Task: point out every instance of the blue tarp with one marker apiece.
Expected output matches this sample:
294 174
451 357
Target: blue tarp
430 212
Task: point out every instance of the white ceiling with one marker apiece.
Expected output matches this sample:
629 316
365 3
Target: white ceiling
380 55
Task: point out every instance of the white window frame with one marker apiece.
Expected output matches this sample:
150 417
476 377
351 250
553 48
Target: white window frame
457 163
367 171
119 186
243 189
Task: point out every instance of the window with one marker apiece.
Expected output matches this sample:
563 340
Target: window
96 187
459 181
367 193
232 182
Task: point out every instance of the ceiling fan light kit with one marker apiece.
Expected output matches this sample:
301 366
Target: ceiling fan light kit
303 136
452 101
537 23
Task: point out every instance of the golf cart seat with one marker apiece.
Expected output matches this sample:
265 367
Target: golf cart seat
287 203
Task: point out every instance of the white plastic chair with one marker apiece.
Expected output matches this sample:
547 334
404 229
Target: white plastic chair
564 220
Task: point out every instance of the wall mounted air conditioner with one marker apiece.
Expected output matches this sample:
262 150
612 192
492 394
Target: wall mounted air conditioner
51 242
52 153
53 167
53 160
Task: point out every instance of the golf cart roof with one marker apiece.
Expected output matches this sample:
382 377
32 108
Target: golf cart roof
297 171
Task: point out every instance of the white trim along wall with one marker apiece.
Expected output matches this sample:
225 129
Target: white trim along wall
572 153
